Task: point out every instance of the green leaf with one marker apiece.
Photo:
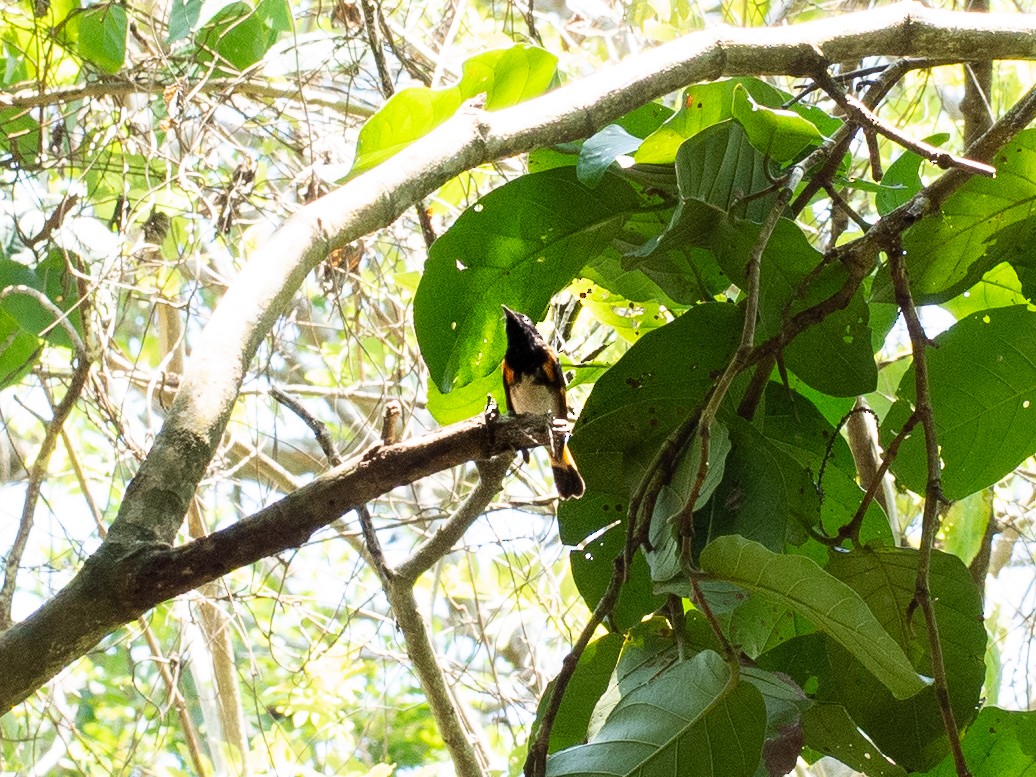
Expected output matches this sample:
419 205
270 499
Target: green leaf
594 562
664 556
911 731
999 743
101 36
946 252
506 76
835 356
902 179
589 682
638 403
598 152
830 604
794 424
715 170
964 525
239 35
830 729
183 17
704 105
465 401
1001 287
696 722
408 115
627 318
982 377
720 166
778 134
683 272
631 410
51 277
19 350
765 495
519 245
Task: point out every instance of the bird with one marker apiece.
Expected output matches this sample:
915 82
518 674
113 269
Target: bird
534 383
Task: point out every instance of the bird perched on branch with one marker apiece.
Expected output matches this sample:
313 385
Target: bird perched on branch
534 383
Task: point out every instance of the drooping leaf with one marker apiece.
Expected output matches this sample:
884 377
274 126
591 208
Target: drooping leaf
697 722
780 135
664 556
519 245
982 377
505 76
910 731
830 604
719 166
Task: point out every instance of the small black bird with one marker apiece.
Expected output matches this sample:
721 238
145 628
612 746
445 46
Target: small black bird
534 383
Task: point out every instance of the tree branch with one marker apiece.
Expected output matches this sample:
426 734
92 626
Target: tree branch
119 583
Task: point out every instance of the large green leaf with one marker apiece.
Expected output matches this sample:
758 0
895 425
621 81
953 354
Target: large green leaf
982 377
778 134
765 494
589 682
837 610
794 424
696 727
911 730
999 743
506 76
632 409
830 729
707 104
101 36
946 252
519 245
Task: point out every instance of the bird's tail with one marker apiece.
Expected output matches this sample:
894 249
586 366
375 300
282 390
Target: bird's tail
567 479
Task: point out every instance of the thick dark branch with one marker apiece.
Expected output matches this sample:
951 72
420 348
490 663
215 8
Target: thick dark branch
123 581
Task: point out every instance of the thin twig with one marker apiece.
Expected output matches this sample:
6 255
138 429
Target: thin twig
536 761
38 471
684 519
933 500
318 427
861 114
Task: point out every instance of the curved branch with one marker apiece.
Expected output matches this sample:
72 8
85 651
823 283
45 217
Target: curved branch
119 583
